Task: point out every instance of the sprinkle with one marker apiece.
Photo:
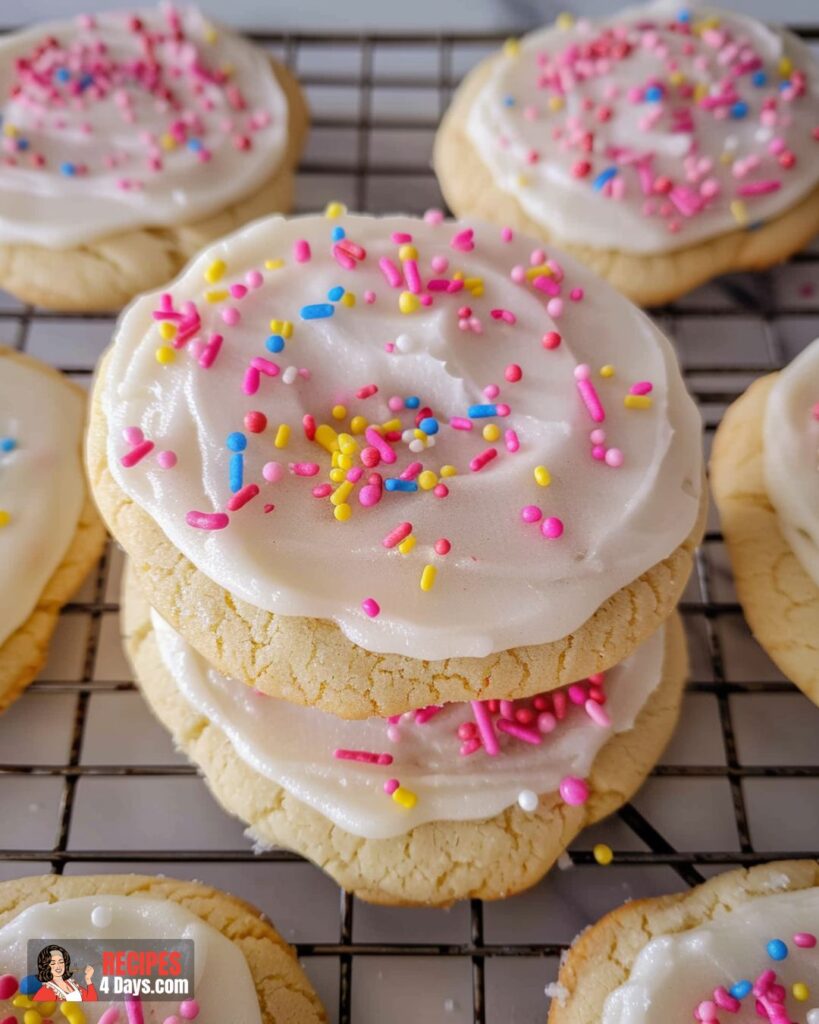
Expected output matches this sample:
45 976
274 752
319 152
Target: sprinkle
519 732
5 517
460 423
552 528
801 992
776 949
804 940
407 545
542 476
405 797
602 854
551 340
272 472
377 441
588 393
393 483
483 459
603 178
484 722
528 801
215 271
637 401
531 514
428 577
207 520
301 251
317 311
255 422
574 791
484 411
442 546
513 373
282 435
362 756
511 440
371 607
739 211
242 497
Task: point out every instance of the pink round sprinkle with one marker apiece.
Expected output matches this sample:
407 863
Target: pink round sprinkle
707 1011
574 791
231 315
577 694
323 490
804 940
166 460
536 257
440 490
434 216
551 528
272 471
133 435
597 436
551 340
439 264
513 373
546 722
576 294
442 546
255 422
369 297
254 279
371 607
599 452
173 1019
390 786
491 390
507 234
370 457
189 1010
554 307
582 371
531 514
8 986
238 291
518 274
467 730
395 403
614 458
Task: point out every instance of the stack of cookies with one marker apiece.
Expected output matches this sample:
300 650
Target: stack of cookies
409 506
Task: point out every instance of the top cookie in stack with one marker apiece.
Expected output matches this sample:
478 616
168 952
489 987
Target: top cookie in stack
369 465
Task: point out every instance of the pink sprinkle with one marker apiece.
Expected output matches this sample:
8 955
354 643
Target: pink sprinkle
309 425
401 238
133 435
238 291
577 694
369 297
371 494
209 353
370 457
483 459
463 240
189 1010
484 722
759 188
574 791
301 251
440 264
434 216
588 393
362 756
440 491
491 391
207 520
551 340
133 1010
442 546
251 381
424 715
642 387
531 514
111 1016
554 307
302 468
231 315
322 490
390 786
513 373
371 607
395 536
546 722
552 528
512 441
390 272
137 454
166 460
804 940
597 713
367 391
354 474
254 279
272 472
242 497
506 315
507 234
725 1001
614 458
461 423
815 411
265 366
520 732
576 294
706 1011
412 277
412 471
381 446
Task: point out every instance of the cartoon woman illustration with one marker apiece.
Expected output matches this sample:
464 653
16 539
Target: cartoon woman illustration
54 971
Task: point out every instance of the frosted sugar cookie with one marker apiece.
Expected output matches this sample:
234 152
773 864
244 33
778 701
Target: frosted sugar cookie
130 140
442 803
663 145
50 534
765 476
242 969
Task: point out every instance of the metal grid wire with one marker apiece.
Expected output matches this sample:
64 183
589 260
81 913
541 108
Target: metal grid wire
364 72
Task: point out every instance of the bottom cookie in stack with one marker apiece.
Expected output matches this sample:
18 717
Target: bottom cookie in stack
439 804
242 970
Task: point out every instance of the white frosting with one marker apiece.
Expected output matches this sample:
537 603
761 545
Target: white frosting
294 746
687 148
120 131
42 487
674 973
791 456
502 584
223 985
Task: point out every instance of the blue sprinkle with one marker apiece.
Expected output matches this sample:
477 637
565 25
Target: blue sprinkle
22 144
335 293
755 225
68 169
603 177
429 425
30 984
653 94
739 110
236 442
509 101
275 343
392 483
195 145
7 444
319 311
759 78
785 84
337 234
86 80
412 402
236 472
777 950
477 412
740 989
62 75
684 15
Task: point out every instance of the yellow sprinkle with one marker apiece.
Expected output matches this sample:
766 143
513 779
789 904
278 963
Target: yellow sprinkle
210 35
676 78
391 425
539 271
342 512
358 424
603 854
428 577
458 275
407 545
165 355
556 103
339 412
46 1009
607 370
282 327
405 797
22 1002
726 158
335 457
345 462
407 252
491 432
419 434
227 70
341 493
785 67
167 141
801 992
542 476
408 303
700 91
448 470
167 330
215 271
334 210
327 437
523 182
273 264
32 1017
637 402
739 211
347 444
9 130
427 480
5 517
564 21
338 475
216 294
282 435
511 48
348 299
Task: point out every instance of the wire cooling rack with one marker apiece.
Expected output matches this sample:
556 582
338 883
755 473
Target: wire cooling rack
90 783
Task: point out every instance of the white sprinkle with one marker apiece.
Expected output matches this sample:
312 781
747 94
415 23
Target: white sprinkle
290 374
404 343
528 800
101 917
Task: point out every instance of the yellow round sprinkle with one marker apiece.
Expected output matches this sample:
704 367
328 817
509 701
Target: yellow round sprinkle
215 271
345 461
167 141
339 412
603 854
405 797
564 21
607 370
210 35
556 103
542 476
32 1017
408 303
407 252
10 130
22 1002
458 275
273 264
342 512
448 470
165 355
491 432
511 48
676 78
334 210
427 480
407 544
167 330
337 475
282 435
801 992
358 424
5 517
348 299
428 577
